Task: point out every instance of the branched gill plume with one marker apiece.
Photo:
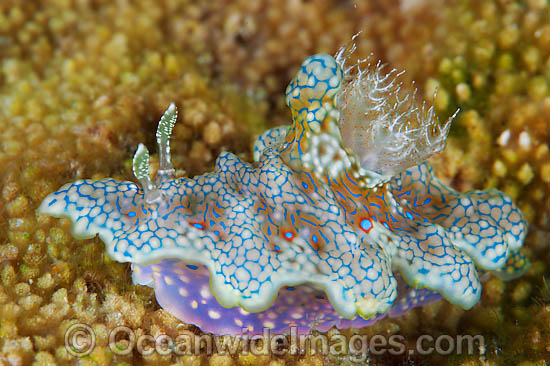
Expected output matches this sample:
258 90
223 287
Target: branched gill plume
382 122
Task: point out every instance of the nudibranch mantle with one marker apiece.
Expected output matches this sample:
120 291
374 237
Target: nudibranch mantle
309 233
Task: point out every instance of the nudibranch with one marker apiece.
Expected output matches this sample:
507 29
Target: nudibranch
337 222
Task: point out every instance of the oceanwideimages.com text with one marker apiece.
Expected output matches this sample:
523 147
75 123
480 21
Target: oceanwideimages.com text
80 340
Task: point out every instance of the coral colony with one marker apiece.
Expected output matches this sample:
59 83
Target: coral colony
338 222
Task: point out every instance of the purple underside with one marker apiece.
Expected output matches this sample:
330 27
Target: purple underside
183 291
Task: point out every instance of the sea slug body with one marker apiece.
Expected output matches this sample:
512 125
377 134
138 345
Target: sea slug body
319 231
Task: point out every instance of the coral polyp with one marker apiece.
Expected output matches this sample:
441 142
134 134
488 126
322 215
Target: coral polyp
318 230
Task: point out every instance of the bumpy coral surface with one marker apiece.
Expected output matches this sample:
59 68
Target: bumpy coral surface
305 214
